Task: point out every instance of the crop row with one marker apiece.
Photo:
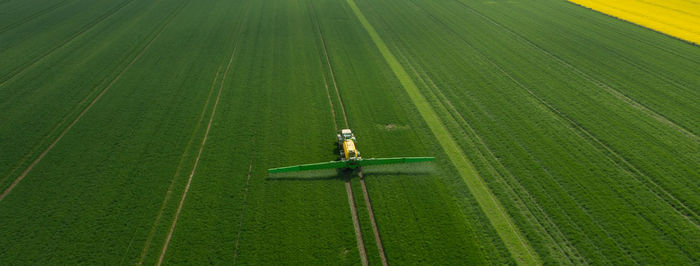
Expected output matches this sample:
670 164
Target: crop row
274 112
574 162
416 214
94 196
41 102
26 40
582 126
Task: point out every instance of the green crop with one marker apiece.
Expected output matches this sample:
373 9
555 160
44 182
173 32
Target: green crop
141 132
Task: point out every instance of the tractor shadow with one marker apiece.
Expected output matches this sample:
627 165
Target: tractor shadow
313 175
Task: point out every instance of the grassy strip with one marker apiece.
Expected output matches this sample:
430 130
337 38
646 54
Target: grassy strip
499 219
600 207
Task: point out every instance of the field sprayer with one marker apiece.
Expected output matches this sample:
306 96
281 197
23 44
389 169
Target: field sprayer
349 158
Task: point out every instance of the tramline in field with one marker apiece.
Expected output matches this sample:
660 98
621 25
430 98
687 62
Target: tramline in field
349 158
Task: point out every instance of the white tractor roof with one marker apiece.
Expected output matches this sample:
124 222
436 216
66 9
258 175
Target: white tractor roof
346 131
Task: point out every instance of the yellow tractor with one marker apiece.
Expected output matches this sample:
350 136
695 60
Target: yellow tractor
346 146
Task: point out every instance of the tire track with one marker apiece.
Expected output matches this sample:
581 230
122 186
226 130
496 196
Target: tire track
87 108
517 245
558 240
330 101
201 147
168 194
632 36
544 105
57 127
356 222
74 37
151 234
615 157
588 138
457 117
33 16
348 186
328 62
194 170
629 60
584 134
617 94
245 201
375 229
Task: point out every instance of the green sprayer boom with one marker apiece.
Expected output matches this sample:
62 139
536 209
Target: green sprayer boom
349 158
348 164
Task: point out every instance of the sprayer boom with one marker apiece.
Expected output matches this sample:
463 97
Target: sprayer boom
349 164
349 158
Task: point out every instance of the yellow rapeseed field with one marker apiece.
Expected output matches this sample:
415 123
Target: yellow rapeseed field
678 18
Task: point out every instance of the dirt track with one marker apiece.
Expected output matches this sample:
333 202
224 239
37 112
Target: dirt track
375 229
365 193
356 222
348 187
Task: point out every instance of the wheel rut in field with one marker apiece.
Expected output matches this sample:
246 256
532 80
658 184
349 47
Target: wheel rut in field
67 117
245 201
365 193
351 200
658 116
33 16
89 106
330 67
375 229
203 143
517 245
348 187
578 130
23 68
487 156
151 234
661 193
356 222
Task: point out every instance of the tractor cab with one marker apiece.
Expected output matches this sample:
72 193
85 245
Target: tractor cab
346 134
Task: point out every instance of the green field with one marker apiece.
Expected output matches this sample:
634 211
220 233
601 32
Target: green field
140 132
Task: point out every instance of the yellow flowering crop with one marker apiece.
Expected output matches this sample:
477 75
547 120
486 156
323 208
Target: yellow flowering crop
678 18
